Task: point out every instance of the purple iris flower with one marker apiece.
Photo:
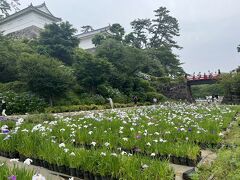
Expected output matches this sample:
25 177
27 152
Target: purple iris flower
12 178
5 131
138 137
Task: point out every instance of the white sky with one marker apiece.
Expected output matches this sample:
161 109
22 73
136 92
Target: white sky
209 28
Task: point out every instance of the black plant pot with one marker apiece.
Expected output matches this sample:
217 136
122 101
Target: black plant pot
22 157
171 159
12 155
191 162
50 167
8 154
80 173
55 168
72 171
183 160
62 169
86 175
97 177
45 164
188 174
67 170
91 176
176 160
107 178
38 162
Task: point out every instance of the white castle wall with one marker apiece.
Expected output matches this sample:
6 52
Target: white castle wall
24 21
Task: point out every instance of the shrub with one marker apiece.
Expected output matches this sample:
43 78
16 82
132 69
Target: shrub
88 99
15 86
151 95
22 103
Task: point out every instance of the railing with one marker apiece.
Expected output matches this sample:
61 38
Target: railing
203 77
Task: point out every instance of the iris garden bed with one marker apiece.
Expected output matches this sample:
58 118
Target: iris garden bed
105 143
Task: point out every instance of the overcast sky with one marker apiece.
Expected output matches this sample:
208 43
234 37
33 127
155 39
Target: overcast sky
209 28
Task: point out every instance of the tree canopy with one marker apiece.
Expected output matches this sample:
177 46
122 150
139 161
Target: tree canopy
45 76
58 41
6 6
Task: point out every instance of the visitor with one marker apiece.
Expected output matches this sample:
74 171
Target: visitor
110 102
154 100
213 96
210 75
219 72
199 75
4 106
205 76
194 76
135 100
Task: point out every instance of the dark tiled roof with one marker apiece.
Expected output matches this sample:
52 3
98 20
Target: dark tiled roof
96 31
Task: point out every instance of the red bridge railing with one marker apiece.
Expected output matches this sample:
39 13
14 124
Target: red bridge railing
203 77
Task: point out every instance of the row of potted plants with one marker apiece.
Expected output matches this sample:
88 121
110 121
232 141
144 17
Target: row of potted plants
14 173
169 130
101 164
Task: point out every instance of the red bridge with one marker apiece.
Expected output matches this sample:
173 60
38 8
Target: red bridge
202 79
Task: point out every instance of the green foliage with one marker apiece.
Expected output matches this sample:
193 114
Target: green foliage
90 71
231 83
169 61
138 38
151 95
163 29
117 32
21 103
87 28
226 166
19 172
201 91
7 61
58 41
8 5
123 65
16 86
98 39
45 76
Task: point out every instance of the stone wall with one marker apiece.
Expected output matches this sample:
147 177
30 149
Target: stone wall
28 33
179 92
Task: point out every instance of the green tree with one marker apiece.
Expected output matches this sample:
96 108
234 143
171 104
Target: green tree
98 39
163 29
45 76
58 41
117 32
87 28
8 58
6 6
90 71
138 38
169 61
128 60
231 83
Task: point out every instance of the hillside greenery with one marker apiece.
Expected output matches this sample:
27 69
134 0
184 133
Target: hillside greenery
55 71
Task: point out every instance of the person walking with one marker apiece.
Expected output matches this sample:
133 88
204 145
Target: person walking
110 102
135 100
4 107
154 100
